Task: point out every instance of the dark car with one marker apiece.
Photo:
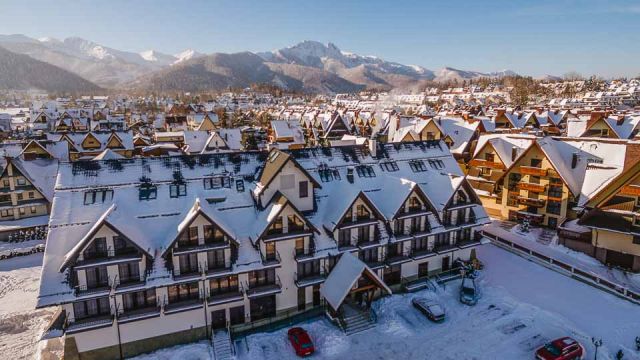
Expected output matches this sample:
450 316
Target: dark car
300 341
432 309
564 348
468 292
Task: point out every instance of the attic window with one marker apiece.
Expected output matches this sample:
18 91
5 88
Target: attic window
240 185
365 171
97 196
417 166
177 190
217 182
436 164
148 192
389 166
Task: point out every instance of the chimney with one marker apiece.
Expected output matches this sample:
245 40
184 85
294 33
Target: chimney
350 174
514 153
574 160
373 148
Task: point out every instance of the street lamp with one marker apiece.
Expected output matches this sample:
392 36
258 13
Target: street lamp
597 343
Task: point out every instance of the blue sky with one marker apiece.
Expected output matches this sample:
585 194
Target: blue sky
537 37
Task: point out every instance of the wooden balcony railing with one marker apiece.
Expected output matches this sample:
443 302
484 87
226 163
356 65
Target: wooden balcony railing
485 163
535 171
532 187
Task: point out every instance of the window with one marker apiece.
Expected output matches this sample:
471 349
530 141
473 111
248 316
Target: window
344 237
129 272
363 234
5 182
536 163
299 246
33 209
188 263
223 285
177 190
139 299
303 189
362 213
212 234
6 213
365 171
270 248
215 259
97 248
239 185
31 195
148 192
98 196
436 164
21 181
414 204
420 244
392 274
182 292
276 227
389 166
217 182
326 175
287 182
262 277
554 207
20 197
97 277
92 307
21 211
295 223
417 166
489 157
399 227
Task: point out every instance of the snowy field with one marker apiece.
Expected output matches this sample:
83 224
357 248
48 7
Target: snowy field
522 306
20 324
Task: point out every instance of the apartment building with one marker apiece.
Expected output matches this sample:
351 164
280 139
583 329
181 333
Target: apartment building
161 251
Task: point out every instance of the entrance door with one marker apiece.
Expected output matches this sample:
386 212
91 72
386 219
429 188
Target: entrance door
445 263
552 222
218 319
423 269
316 295
263 307
236 315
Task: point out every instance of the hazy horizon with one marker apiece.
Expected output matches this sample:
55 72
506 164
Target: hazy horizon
548 37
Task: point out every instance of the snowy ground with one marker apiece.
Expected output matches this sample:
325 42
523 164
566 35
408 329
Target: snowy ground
522 306
548 245
20 324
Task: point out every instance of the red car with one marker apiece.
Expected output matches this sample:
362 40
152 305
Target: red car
301 341
560 349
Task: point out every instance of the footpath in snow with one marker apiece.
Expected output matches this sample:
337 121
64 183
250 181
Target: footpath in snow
523 305
20 324
545 241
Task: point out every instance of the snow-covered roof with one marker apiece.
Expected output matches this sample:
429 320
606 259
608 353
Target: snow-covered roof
344 276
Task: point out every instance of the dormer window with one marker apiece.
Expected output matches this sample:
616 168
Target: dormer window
212 234
436 164
417 166
295 223
276 227
217 182
97 196
414 204
390 166
148 192
177 190
365 171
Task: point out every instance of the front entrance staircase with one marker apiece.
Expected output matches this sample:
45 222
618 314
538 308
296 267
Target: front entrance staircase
222 345
356 319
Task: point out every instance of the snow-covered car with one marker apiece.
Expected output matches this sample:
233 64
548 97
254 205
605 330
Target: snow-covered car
432 309
564 348
468 292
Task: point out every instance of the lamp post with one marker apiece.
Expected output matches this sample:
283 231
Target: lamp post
597 343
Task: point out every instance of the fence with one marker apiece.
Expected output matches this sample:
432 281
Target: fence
10 253
566 269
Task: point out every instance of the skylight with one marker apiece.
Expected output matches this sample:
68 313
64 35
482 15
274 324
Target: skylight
365 171
389 166
417 166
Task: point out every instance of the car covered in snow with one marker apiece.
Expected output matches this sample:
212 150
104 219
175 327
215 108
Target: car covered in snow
300 341
468 291
432 309
564 348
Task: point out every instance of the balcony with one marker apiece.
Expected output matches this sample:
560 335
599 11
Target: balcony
264 289
103 288
228 296
183 305
302 255
189 274
532 187
270 259
487 164
128 282
139 314
217 270
421 253
444 248
532 170
472 241
398 258
92 258
531 202
186 248
89 323
631 190
303 280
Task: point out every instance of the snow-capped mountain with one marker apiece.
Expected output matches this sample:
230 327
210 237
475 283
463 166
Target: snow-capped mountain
309 65
103 65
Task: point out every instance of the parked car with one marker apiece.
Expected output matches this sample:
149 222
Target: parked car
301 341
564 348
468 291
432 309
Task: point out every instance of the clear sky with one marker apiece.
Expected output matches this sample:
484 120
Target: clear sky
530 37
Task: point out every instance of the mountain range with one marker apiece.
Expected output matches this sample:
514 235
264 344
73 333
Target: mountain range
307 66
